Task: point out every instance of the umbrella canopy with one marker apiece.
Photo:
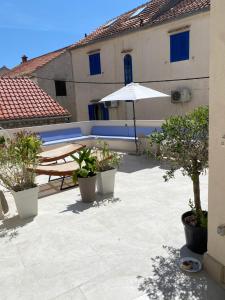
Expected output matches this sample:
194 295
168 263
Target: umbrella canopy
133 92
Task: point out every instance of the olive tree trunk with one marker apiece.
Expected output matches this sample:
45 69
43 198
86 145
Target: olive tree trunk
196 189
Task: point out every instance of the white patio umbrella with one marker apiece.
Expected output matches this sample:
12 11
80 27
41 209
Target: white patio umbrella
134 92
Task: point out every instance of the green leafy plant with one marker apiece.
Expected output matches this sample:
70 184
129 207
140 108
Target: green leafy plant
183 142
154 142
106 159
87 164
17 155
2 140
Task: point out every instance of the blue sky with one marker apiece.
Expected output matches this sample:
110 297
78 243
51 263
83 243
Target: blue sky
34 27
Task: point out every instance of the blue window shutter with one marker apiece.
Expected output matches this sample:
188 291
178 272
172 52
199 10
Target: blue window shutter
95 64
91 110
180 46
105 112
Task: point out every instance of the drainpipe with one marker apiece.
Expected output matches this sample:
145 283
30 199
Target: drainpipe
74 86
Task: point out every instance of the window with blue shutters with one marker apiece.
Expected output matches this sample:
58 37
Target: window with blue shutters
91 111
180 46
98 112
95 64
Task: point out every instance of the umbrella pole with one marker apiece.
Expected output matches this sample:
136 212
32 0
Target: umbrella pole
135 128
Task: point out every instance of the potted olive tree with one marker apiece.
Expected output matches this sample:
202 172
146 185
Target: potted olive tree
107 164
18 159
184 143
85 175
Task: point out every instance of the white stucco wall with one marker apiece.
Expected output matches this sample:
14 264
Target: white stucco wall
59 68
216 245
151 61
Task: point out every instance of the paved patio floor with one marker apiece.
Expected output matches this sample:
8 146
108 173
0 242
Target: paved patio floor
124 247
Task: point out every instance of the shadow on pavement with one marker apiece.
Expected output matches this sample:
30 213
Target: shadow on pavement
168 282
133 163
100 200
9 227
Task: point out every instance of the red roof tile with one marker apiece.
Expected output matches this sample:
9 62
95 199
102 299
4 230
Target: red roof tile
21 98
29 67
155 12
183 8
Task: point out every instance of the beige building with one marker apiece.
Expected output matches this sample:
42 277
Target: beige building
215 259
54 74
164 44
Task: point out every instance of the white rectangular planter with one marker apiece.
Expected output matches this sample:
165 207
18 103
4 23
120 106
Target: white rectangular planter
26 202
106 182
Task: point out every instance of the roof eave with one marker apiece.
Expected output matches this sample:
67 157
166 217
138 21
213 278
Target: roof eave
31 74
34 119
43 65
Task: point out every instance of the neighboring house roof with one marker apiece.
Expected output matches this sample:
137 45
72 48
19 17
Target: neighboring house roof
4 70
21 98
29 67
155 12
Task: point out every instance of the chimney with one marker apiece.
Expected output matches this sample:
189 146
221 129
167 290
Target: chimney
24 59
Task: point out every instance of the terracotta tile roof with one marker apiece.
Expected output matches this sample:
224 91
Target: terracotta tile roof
155 12
21 98
183 8
29 67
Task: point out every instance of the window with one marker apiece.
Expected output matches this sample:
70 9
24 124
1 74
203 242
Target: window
98 112
60 88
128 69
110 23
95 64
179 46
138 12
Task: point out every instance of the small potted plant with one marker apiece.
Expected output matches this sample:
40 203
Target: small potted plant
85 175
107 164
16 157
184 143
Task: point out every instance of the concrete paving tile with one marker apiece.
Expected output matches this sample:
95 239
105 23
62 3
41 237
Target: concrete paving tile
10 262
111 286
10 286
75 294
48 282
143 297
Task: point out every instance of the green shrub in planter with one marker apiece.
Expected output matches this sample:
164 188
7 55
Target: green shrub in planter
106 158
17 155
107 163
85 175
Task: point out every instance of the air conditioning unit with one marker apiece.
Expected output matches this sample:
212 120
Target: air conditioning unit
112 104
181 95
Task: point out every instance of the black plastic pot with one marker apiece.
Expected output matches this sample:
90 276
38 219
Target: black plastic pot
196 237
